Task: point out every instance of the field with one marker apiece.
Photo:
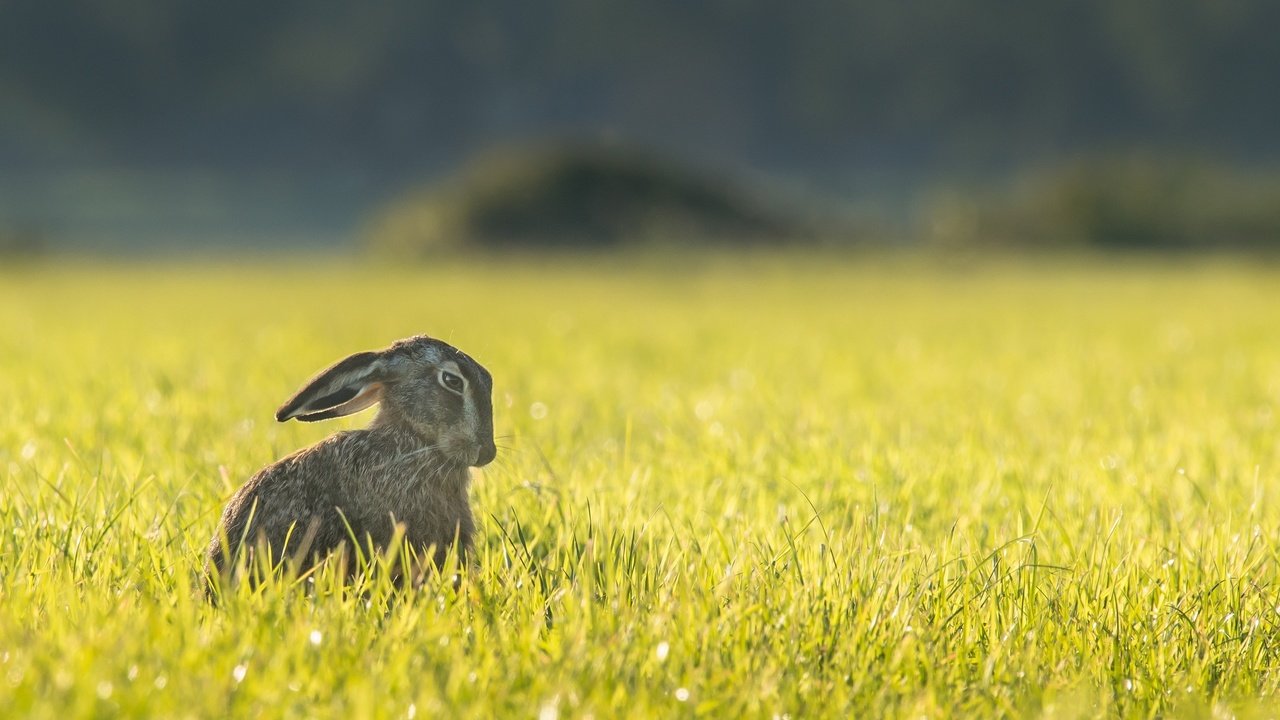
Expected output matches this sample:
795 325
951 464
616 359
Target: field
762 487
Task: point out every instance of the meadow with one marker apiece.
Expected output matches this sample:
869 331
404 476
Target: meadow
753 487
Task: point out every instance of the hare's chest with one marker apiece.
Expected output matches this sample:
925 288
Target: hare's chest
423 513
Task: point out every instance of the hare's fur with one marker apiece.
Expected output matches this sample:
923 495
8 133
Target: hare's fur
409 468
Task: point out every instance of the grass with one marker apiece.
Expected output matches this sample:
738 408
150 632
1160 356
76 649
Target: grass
732 488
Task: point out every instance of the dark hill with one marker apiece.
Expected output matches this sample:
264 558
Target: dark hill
576 196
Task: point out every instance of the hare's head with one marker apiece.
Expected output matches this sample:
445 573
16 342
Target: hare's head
424 385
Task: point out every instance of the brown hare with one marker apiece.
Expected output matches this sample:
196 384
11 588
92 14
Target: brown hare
408 468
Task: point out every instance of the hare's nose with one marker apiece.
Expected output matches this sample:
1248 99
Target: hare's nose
488 451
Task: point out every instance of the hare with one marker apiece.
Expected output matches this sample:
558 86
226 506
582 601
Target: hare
407 469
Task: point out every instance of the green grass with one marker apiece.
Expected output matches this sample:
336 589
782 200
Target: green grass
751 488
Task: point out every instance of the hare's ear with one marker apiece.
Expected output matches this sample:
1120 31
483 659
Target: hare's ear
349 386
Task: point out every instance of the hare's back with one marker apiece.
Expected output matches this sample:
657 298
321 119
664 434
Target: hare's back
287 504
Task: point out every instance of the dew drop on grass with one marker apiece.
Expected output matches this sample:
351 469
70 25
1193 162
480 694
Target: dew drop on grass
239 672
663 650
28 450
316 637
538 411
161 682
548 712
682 694
413 711
104 690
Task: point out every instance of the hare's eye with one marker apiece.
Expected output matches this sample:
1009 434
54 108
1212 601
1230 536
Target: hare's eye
452 382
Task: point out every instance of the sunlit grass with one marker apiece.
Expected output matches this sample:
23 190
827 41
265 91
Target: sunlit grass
729 488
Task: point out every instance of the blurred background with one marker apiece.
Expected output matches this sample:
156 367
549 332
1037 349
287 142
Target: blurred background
411 127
